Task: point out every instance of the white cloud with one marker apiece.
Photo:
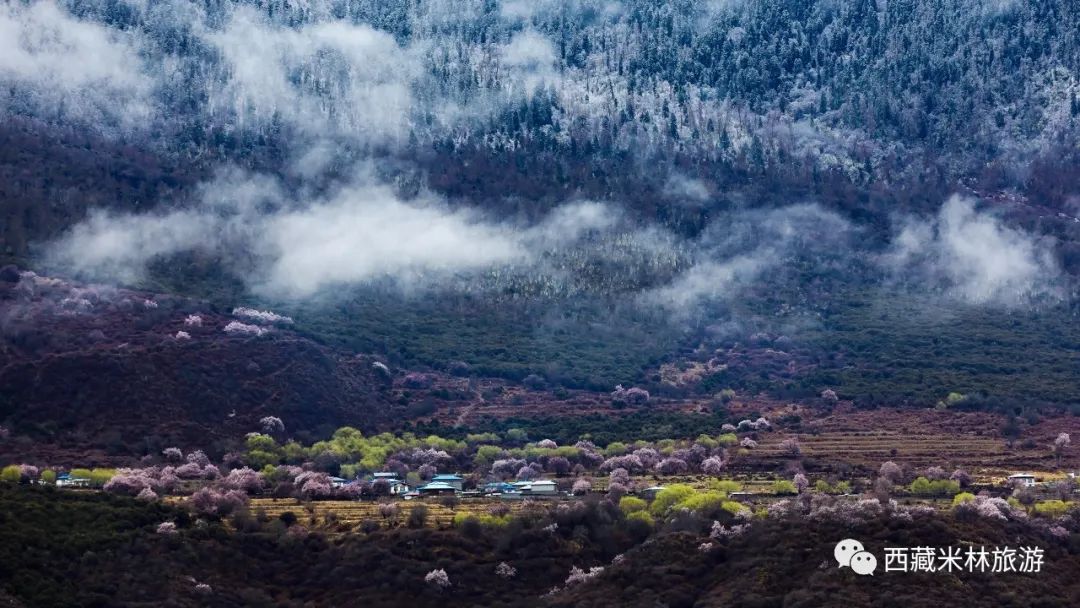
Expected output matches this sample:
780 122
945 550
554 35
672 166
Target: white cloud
365 233
331 77
973 256
59 64
529 59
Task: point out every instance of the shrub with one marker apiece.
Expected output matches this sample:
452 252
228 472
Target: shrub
640 516
417 517
963 497
632 504
11 474
938 487
669 497
1052 508
783 487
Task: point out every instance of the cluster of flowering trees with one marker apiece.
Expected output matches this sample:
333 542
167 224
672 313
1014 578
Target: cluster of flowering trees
243 329
260 316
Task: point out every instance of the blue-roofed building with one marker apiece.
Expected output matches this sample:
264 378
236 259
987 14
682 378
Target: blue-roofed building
437 488
454 481
497 487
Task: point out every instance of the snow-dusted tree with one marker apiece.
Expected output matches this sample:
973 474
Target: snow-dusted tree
748 443
166 528
272 425
547 444
829 395
193 321
527 473
437 579
147 495
577 575
427 471
172 454
581 487
203 589
505 571
237 328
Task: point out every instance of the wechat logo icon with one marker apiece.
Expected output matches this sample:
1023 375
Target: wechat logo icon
850 553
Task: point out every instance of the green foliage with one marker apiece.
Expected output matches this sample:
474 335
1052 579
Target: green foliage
734 507
631 504
484 519
48 476
727 486
1052 508
482 438
963 497
670 496
703 502
11 473
840 487
938 487
641 516
728 439
486 454
783 487
615 448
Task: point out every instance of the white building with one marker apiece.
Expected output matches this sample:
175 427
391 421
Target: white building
1023 480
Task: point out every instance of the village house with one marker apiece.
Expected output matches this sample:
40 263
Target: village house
437 488
453 481
1023 480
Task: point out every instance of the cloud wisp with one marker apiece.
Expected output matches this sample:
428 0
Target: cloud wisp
973 257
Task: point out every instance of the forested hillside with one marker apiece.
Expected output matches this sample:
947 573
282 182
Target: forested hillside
597 187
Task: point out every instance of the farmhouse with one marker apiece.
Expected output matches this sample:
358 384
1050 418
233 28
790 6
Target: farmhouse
540 486
1024 480
395 486
453 481
65 480
437 488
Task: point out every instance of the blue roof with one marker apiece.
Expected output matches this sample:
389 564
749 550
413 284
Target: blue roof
447 478
437 485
